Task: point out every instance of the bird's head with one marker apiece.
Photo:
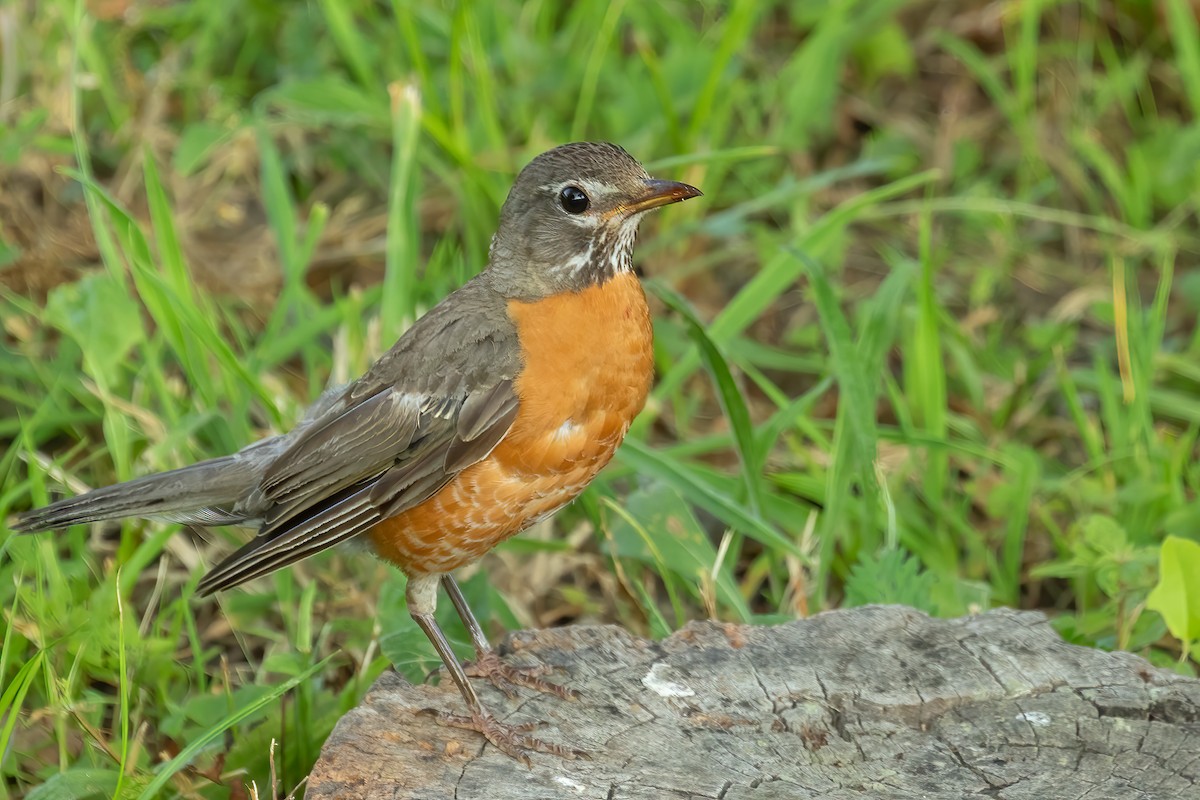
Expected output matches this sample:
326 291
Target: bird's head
571 218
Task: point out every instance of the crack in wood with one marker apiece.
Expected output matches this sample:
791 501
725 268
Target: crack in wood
876 701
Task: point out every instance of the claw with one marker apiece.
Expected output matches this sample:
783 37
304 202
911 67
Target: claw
506 678
510 739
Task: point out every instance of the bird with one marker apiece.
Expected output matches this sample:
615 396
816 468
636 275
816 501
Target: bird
495 408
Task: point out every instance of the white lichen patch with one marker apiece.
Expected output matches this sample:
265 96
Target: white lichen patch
658 680
563 780
1035 718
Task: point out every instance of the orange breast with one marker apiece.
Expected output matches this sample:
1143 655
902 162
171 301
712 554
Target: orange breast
588 365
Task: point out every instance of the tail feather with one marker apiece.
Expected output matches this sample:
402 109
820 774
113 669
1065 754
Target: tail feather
205 493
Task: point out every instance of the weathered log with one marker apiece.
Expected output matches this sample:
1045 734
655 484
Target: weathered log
876 702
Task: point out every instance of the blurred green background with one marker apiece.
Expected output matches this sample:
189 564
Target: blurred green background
929 338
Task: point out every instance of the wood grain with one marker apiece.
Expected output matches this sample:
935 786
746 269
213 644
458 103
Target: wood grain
875 702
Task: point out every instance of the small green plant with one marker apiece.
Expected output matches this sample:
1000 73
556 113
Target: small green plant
1177 594
1104 562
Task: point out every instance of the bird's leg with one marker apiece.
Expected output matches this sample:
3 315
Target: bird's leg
510 739
488 663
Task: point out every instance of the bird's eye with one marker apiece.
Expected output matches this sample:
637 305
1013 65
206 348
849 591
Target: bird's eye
574 200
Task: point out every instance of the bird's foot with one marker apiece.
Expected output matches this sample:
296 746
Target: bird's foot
506 678
512 740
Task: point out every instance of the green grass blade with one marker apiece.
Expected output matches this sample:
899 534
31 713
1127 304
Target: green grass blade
644 459
403 245
194 747
728 392
1185 36
779 273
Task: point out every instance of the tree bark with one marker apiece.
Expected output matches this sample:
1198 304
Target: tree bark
875 702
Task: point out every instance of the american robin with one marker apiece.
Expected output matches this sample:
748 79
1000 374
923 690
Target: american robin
494 410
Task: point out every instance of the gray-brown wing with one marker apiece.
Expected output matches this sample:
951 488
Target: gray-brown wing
360 441
381 474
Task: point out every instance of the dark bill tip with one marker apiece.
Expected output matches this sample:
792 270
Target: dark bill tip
662 193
